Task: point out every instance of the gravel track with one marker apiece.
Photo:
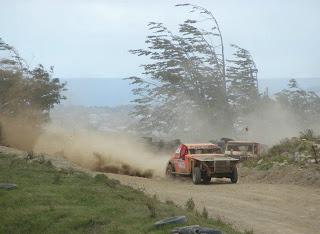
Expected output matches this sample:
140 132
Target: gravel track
263 208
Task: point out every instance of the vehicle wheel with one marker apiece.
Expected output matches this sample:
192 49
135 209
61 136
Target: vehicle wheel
196 175
169 171
206 179
234 175
171 220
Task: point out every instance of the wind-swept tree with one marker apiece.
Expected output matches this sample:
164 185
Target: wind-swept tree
304 105
184 88
242 81
26 97
23 89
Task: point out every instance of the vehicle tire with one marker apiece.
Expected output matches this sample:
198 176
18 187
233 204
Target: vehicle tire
171 220
234 175
206 179
196 175
7 186
169 171
195 229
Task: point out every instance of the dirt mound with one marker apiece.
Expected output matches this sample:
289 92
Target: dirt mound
288 174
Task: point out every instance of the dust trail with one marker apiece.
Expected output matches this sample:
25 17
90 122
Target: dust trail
115 153
271 123
20 132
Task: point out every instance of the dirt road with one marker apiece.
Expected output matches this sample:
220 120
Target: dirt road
263 208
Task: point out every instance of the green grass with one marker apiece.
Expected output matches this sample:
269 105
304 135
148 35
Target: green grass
266 162
296 151
52 201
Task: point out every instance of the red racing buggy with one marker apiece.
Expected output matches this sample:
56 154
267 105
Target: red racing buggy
202 162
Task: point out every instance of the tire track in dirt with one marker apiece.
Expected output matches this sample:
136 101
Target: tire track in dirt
263 208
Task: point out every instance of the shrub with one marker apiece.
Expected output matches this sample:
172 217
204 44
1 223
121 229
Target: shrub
308 134
190 204
204 213
56 179
151 207
100 178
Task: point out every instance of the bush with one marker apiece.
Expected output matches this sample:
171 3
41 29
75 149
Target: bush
308 134
299 151
204 213
151 207
190 204
100 178
56 179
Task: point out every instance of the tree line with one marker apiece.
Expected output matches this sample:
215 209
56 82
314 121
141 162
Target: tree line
25 93
189 87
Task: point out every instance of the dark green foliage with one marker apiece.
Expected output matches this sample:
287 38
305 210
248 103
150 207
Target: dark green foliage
23 90
242 82
26 97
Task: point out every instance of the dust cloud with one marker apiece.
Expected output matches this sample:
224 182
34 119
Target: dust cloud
91 149
116 153
124 154
267 123
20 132
271 123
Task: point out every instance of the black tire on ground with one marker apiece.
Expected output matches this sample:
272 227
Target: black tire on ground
196 175
171 220
169 171
206 179
234 175
195 229
7 186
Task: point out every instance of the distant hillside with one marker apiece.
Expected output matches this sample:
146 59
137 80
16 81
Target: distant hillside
114 92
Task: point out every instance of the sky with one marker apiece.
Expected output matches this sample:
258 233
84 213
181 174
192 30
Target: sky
91 39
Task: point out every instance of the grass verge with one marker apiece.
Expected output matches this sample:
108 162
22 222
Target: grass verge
48 200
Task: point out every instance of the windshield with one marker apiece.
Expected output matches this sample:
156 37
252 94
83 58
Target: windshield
205 151
243 147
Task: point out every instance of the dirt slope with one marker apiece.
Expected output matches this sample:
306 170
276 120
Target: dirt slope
263 208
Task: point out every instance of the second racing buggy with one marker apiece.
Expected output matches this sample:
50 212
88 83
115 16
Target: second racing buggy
244 150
